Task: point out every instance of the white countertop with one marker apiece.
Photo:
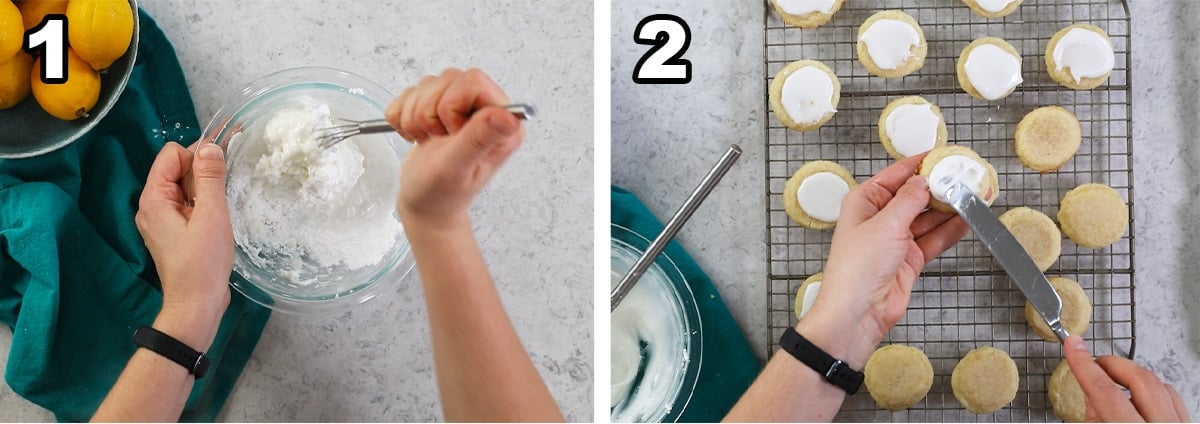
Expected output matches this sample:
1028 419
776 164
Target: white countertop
534 221
665 137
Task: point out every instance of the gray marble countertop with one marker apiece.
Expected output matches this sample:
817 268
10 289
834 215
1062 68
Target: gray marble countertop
665 137
375 363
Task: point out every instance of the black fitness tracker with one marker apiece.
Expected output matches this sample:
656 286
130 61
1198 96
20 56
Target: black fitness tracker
835 371
158 342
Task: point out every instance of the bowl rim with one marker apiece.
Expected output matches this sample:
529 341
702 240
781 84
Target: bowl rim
217 131
638 243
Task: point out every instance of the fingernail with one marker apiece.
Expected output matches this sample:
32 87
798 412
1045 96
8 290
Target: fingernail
918 181
1076 343
211 151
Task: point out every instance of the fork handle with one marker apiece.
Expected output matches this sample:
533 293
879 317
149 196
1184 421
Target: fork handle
522 111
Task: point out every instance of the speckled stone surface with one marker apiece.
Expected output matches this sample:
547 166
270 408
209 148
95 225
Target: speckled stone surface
666 137
533 221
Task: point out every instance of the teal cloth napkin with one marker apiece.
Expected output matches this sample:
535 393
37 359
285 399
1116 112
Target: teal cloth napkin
729 365
75 276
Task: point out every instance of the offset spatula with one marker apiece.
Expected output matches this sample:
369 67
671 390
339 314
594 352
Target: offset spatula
1009 253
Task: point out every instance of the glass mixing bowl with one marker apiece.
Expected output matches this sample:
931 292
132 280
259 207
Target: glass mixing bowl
271 278
680 305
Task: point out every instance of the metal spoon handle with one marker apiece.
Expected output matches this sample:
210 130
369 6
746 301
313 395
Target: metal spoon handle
522 111
681 216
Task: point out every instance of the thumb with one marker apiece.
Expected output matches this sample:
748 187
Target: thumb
1101 392
488 127
208 173
910 200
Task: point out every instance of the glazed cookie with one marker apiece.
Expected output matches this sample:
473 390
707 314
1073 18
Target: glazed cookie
807 293
1076 310
1080 57
813 196
891 44
806 13
962 164
805 94
898 376
993 8
1037 233
1066 397
985 380
989 68
1047 138
910 126
1093 215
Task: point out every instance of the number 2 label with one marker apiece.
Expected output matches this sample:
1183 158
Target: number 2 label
663 64
49 37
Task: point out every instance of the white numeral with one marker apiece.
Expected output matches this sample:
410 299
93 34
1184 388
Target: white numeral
48 39
662 64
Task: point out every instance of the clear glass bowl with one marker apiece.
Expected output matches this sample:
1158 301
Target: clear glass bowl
626 246
237 126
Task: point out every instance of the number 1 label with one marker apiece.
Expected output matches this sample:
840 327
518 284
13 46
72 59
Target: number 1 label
663 64
49 39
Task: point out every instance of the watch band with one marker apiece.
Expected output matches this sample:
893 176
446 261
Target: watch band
158 342
834 370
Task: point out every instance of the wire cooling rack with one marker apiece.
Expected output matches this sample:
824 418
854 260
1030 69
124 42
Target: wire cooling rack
963 299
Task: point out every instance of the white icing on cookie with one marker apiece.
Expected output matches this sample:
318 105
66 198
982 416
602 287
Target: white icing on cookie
912 129
1087 53
992 71
820 195
955 168
804 7
807 95
889 42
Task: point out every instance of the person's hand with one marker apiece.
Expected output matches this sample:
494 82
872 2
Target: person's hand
884 237
190 239
1149 400
461 140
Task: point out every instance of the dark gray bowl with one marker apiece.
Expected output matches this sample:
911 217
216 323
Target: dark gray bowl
26 130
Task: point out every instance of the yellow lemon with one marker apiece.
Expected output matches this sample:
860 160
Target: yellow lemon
99 30
11 30
33 11
14 80
72 99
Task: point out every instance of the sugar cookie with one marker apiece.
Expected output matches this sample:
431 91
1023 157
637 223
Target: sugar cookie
1037 233
962 164
805 299
1093 215
1066 397
985 380
804 95
813 196
898 376
989 69
891 44
993 8
910 126
1047 138
1076 310
806 13
1080 57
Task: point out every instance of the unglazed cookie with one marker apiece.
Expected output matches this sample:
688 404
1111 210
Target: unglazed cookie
1047 138
891 44
985 380
806 13
805 94
1093 215
962 164
1066 397
807 294
910 126
1037 233
1080 57
898 376
813 196
989 69
1076 310
993 8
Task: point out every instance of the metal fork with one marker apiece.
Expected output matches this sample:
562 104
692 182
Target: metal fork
331 136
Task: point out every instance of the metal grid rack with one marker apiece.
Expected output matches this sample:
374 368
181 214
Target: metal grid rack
963 299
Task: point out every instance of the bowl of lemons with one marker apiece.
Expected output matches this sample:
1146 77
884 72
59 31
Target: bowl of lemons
98 47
